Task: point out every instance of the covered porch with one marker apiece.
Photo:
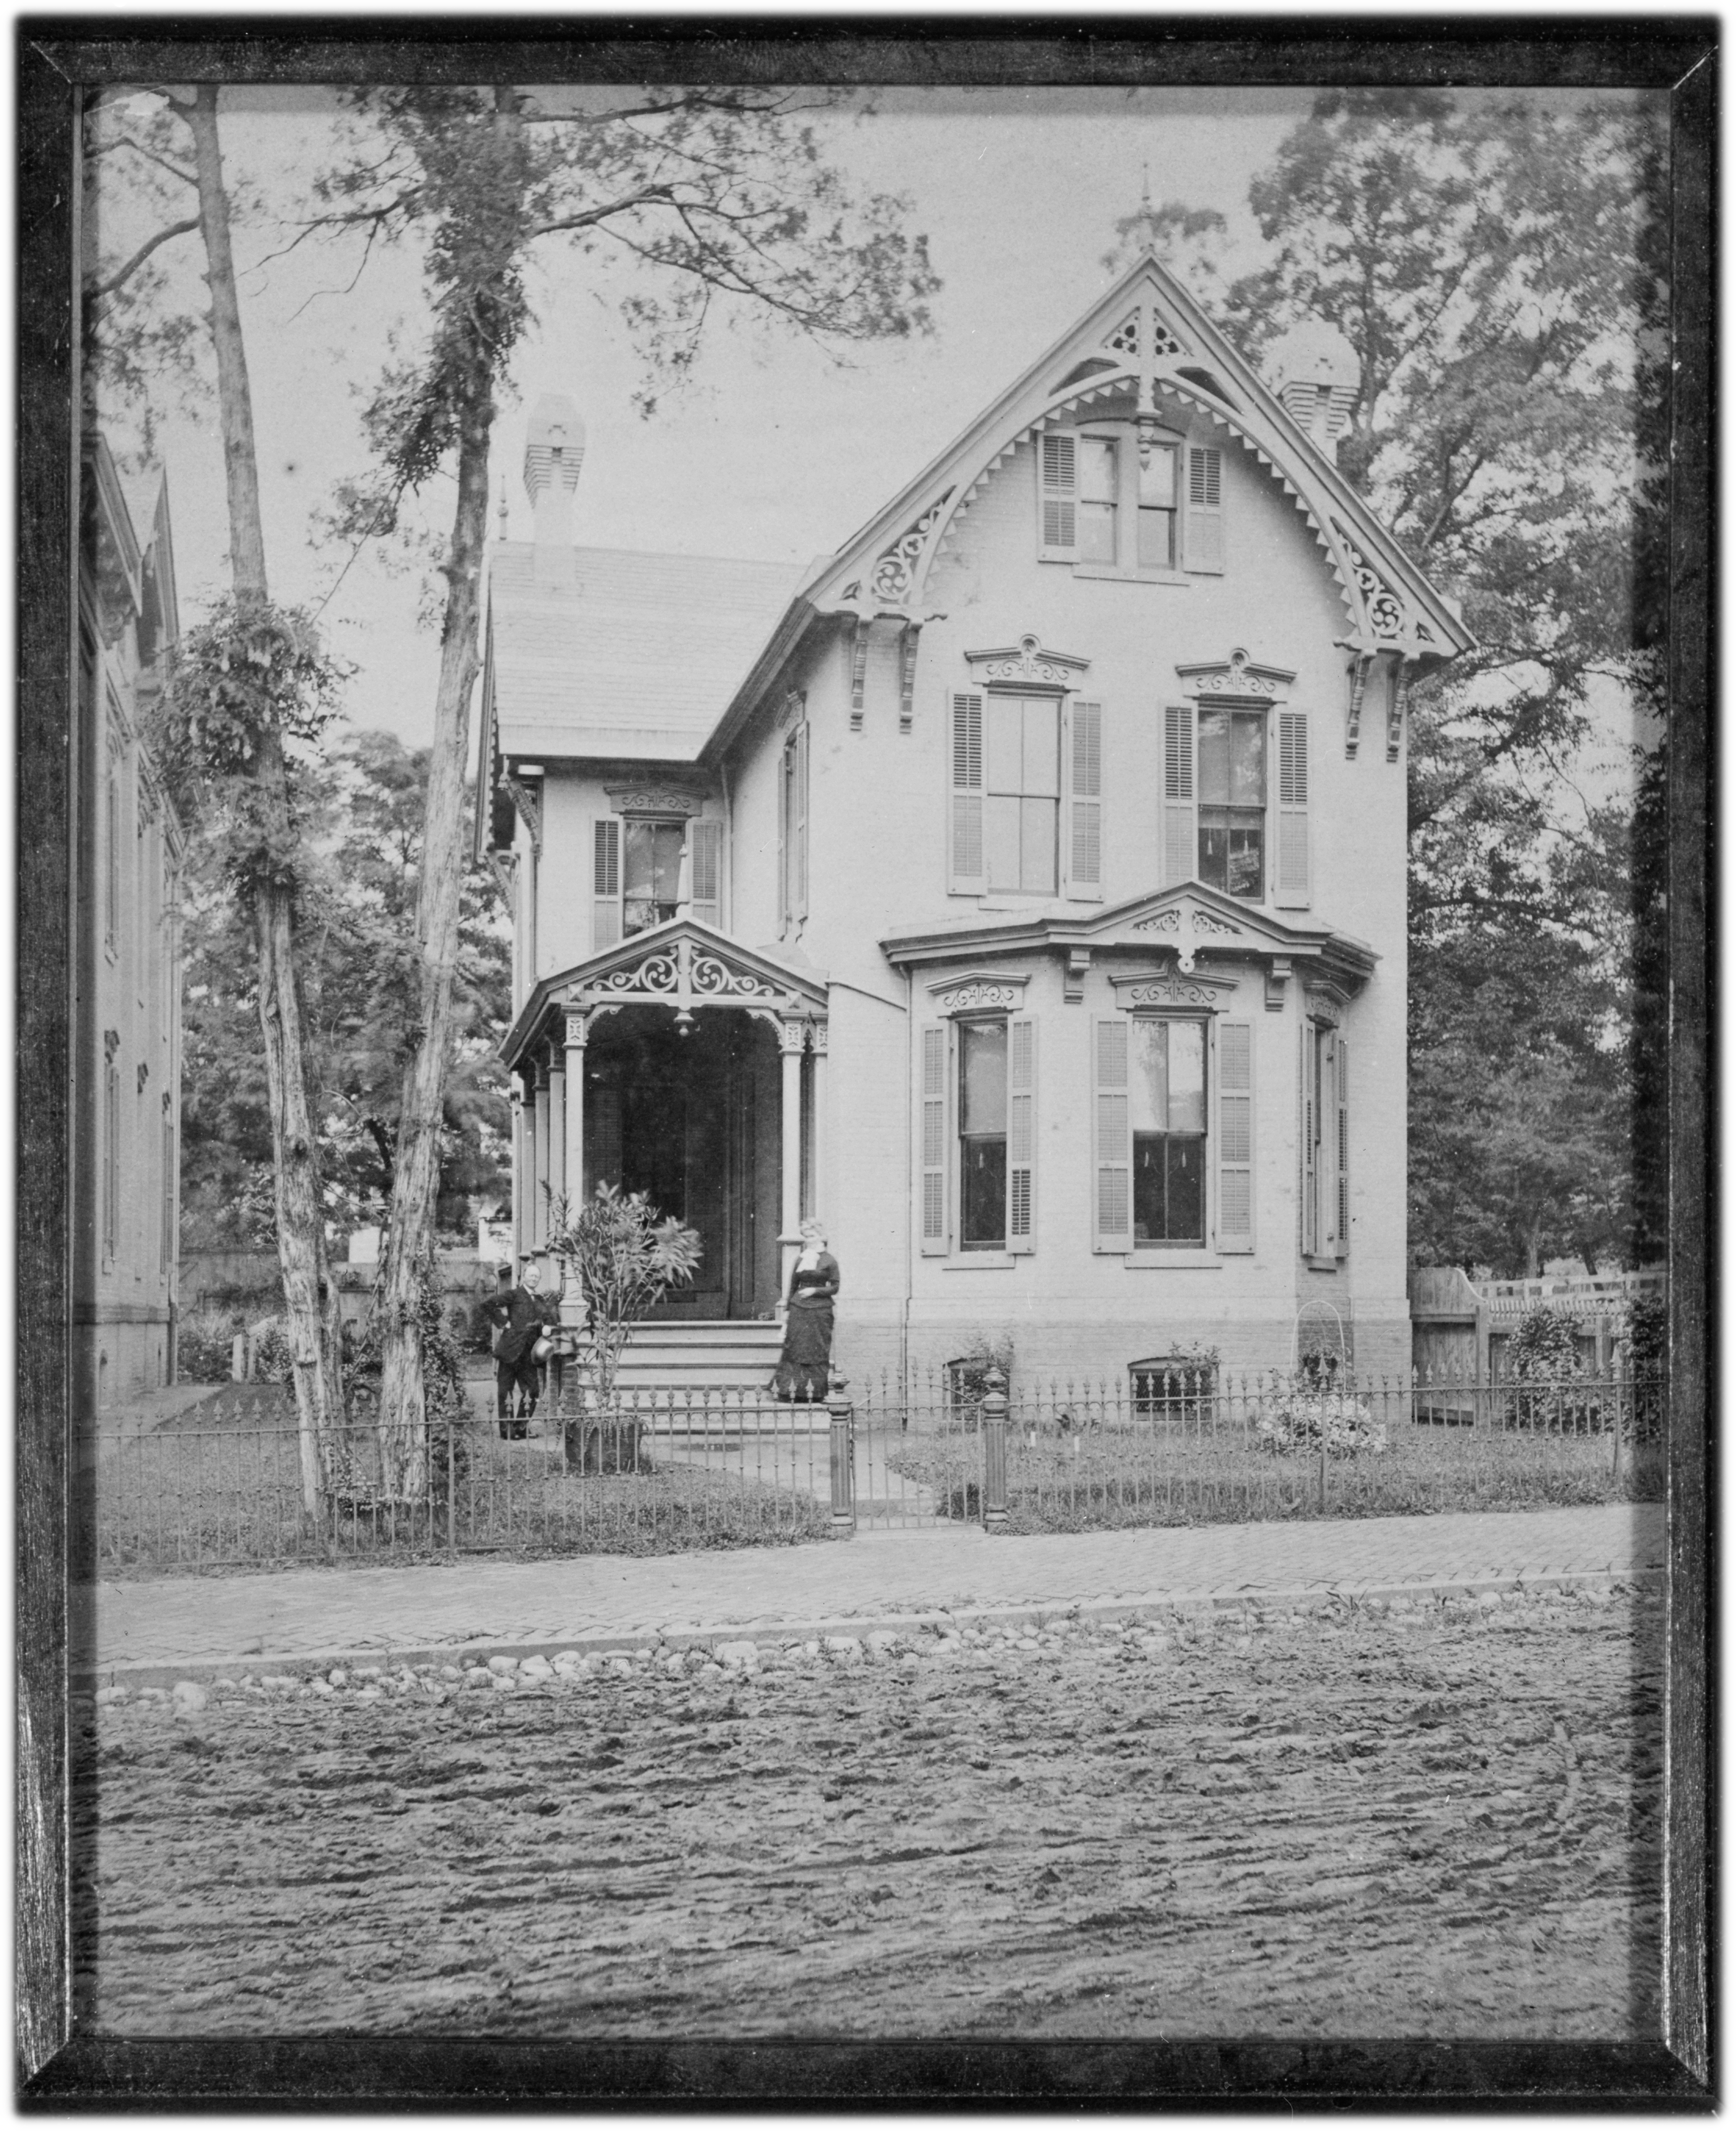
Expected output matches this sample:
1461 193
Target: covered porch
683 1065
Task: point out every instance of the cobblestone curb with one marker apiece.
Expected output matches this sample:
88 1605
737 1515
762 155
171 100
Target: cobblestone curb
1315 1598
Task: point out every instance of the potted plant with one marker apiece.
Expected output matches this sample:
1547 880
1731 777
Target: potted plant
626 1257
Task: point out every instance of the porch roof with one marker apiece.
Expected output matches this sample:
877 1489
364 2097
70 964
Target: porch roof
1189 919
680 965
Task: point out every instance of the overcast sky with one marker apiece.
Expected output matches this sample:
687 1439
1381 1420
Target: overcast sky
775 452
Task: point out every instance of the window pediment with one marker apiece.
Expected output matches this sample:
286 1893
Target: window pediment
1025 665
1236 678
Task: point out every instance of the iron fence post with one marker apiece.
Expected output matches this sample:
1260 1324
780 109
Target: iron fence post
843 1459
994 1451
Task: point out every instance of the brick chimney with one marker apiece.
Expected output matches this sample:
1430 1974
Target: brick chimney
555 449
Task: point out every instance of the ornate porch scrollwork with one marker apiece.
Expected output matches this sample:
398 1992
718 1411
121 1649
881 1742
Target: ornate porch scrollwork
711 980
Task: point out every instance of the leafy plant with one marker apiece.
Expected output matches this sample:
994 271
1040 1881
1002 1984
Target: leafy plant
204 1341
1544 1351
1302 1418
627 1256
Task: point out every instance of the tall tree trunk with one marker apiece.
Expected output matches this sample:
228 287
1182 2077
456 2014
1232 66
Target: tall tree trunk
310 1302
411 1234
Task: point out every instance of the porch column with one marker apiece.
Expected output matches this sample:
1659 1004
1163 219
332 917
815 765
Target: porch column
792 1036
516 1096
572 1153
539 1194
557 1127
820 1125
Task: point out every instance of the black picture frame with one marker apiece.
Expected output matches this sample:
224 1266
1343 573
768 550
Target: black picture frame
56 59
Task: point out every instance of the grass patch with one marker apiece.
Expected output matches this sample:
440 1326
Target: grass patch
1105 1478
219 1488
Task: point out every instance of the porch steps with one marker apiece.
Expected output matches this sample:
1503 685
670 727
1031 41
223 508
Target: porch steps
700 1357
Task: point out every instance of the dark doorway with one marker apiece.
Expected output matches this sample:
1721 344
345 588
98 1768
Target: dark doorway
675 1117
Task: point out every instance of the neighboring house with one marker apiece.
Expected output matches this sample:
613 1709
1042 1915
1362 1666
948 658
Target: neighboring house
1022 889
126 1047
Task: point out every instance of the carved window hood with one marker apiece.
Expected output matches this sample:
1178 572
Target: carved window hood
1236 678
663 798
1027 665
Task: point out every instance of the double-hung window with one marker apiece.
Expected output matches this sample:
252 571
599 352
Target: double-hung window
983 1135
1222 767
1111 501
637 874
979 1143
1025 814
1167 1099
1022 812
1173 1133
1232 829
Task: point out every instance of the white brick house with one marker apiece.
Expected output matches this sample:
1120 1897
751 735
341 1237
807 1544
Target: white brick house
1021 888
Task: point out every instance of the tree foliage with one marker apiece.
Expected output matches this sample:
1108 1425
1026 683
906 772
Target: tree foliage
1499 268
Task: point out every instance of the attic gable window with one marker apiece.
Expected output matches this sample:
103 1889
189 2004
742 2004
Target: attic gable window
1112 501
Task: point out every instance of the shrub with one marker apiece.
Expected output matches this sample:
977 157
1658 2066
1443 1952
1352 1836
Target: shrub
967 1375
1545 1351
1546 1343
271 1363
1647 1333
203 1343
1306 1419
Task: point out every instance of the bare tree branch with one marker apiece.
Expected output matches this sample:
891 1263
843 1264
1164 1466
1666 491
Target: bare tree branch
115 279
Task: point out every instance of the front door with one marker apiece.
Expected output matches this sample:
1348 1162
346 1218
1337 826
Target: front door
674 1148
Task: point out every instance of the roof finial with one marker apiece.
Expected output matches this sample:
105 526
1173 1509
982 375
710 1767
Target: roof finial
1145 188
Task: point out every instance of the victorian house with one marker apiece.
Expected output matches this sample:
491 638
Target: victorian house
126 1047
1021 888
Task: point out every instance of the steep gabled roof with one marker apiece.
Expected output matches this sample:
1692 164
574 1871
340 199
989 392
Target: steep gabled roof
638 655
1148 338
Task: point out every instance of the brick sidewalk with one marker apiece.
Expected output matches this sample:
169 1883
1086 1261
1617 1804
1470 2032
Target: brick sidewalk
878 1576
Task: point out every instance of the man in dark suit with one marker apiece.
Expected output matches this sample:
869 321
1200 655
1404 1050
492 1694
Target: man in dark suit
520 1315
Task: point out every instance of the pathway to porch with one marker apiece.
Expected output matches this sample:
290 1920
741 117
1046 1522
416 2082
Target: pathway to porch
171 1627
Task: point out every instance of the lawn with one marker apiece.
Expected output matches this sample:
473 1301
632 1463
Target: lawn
1126 1472
219 1487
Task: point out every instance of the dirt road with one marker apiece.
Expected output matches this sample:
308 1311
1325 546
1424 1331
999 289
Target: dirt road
1430 1822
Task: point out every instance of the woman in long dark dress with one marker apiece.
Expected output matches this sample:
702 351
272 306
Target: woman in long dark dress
804 1366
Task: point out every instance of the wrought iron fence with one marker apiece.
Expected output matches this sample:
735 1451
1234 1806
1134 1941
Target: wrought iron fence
663 1471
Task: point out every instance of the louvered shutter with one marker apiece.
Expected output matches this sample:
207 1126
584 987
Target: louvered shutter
606 885
1084 850
1181 832
1202 534
1310 1104
1291 875
705 857
1058 535
1113 1151
798 827
965 873
1021 1135
1235 1135
934 1139
1341 1090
